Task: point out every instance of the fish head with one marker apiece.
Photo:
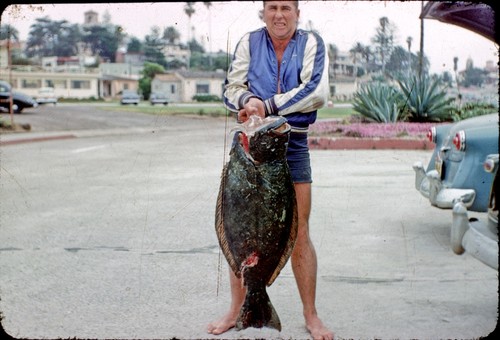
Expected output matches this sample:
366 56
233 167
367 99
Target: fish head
265 139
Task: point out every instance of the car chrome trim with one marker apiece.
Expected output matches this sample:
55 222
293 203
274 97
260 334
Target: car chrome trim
474 237
430 186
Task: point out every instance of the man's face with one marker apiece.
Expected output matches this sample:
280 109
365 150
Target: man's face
281 18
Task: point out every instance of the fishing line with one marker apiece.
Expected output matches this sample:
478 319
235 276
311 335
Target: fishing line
226 122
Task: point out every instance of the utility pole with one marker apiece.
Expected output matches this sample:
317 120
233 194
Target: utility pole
9 67
421 56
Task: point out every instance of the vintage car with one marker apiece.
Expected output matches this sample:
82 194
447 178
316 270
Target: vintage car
20 101
479 237
46 95
129 97
158 98
463 171
455 171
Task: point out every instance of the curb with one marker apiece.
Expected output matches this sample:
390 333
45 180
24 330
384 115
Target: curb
315 143
332 143
35 139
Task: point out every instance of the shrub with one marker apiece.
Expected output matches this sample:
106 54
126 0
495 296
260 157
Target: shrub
469 110
206 98
424 100
378 102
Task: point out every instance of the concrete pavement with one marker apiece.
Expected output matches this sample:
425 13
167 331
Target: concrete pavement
111 235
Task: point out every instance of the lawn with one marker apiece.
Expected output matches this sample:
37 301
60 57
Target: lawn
216 110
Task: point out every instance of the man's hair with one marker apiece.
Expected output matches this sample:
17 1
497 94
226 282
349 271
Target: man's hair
296 3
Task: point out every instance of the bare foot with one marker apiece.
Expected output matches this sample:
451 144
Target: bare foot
317 329
227 322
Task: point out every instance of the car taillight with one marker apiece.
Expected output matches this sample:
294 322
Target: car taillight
431 135
459 140
489 165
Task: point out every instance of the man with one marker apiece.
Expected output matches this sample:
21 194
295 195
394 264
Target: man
281 70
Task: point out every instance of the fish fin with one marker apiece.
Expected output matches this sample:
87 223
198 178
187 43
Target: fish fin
289 246
219 227
258 311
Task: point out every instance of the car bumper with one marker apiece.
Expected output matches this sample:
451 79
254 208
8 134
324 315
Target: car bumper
429 184
474 236
46 101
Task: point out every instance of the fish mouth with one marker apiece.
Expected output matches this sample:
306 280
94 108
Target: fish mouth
275 125
256 124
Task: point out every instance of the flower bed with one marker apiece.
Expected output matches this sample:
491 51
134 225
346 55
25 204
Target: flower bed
331 134
370 130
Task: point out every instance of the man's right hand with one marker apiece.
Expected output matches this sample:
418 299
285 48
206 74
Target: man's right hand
254 106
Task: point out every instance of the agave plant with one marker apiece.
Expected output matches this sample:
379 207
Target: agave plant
425 100
378 102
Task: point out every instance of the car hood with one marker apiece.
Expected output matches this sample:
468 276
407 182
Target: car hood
476 17
23 97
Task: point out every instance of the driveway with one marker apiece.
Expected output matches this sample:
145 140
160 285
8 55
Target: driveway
110 234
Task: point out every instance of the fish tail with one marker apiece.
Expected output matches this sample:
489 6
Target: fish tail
258 311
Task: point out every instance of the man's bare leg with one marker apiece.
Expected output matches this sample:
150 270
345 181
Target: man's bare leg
228 321
304 265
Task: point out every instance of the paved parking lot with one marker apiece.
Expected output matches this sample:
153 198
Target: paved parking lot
111 235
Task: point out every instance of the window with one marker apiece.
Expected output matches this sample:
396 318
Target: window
80 84
172 89
31 84
202 89
59 84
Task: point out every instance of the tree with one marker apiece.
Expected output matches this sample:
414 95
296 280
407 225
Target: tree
333 53
52 38
9 32
103 40
148 73
208 5
356 51
153 47
171 35
398 62
408 42
134 45
473 76
189 10
384 40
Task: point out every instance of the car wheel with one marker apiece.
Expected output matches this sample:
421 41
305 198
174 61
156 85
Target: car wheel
17 108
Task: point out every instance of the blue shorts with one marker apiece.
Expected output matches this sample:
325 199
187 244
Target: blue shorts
298 158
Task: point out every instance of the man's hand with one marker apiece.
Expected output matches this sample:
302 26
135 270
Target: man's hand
254 106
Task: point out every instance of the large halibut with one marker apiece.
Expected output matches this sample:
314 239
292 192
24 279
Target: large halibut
256 214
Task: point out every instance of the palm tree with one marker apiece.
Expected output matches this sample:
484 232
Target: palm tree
171 35
356 50
189 10
9 32
408 41
333 53
208 4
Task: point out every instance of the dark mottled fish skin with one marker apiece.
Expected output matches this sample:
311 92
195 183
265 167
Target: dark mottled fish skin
256 220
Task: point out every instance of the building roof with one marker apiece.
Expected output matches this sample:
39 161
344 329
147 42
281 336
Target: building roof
202 74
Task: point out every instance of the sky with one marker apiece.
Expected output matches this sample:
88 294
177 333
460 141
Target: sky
342 23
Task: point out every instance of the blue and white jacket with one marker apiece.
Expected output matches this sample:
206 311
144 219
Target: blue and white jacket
303 78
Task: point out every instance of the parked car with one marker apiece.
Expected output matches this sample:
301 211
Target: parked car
454 176
454 172
158 98
476 236
20 101
129 97
46 95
